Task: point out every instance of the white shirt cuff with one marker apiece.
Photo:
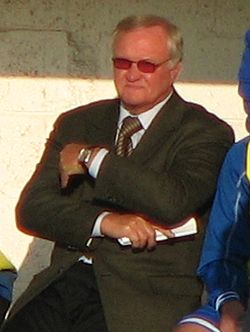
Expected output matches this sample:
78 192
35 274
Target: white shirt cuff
96 162
97 227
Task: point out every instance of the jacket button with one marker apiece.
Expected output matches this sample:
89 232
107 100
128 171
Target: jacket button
60 270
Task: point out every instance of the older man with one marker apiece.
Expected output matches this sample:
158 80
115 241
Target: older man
123 168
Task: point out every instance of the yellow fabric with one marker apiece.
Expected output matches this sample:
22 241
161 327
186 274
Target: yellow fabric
248 162
5 264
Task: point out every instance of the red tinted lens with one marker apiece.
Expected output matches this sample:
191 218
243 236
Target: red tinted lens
143 65
146 67
120 63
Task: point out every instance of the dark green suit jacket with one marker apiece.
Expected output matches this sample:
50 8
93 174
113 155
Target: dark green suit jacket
170 175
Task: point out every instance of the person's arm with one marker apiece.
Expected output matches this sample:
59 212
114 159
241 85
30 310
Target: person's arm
182 185
61 214
230 320
48 211
225 251
182 182
141 232
223 265
205 318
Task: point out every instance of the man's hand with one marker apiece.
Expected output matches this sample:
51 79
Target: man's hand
69 164
140 231
232 314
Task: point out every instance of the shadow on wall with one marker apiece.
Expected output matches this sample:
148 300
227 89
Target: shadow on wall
36 259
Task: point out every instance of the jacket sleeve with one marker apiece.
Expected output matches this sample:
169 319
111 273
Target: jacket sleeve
44 209
223 265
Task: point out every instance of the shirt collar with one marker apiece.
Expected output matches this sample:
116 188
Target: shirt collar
146 117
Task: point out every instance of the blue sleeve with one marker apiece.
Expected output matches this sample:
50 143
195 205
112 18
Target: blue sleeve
226 249
205 316
7 279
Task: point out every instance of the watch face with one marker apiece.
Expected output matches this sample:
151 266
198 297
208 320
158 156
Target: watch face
81 155
84 155
87 156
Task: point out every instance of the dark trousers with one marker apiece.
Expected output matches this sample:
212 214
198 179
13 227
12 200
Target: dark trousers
70 304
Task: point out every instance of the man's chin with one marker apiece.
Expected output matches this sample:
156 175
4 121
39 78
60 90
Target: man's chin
133 101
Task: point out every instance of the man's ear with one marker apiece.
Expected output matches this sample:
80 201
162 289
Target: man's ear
175 71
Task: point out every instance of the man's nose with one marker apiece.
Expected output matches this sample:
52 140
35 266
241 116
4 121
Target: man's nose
133 73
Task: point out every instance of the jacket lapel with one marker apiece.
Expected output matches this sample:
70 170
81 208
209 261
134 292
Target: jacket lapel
166 121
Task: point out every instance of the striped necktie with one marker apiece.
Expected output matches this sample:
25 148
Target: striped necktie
129 127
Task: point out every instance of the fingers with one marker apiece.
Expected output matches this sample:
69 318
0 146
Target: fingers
140 232
165 231
66 171
68 163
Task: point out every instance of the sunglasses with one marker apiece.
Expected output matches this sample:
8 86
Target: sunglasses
143 65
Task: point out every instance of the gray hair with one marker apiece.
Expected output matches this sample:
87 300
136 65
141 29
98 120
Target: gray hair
174 37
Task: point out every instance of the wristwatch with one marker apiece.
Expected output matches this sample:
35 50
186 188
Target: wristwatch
84 156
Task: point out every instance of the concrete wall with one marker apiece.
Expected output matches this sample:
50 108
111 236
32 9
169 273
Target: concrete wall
72 37
55 56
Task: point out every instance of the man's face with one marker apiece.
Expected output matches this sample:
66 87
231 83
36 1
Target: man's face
140 91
